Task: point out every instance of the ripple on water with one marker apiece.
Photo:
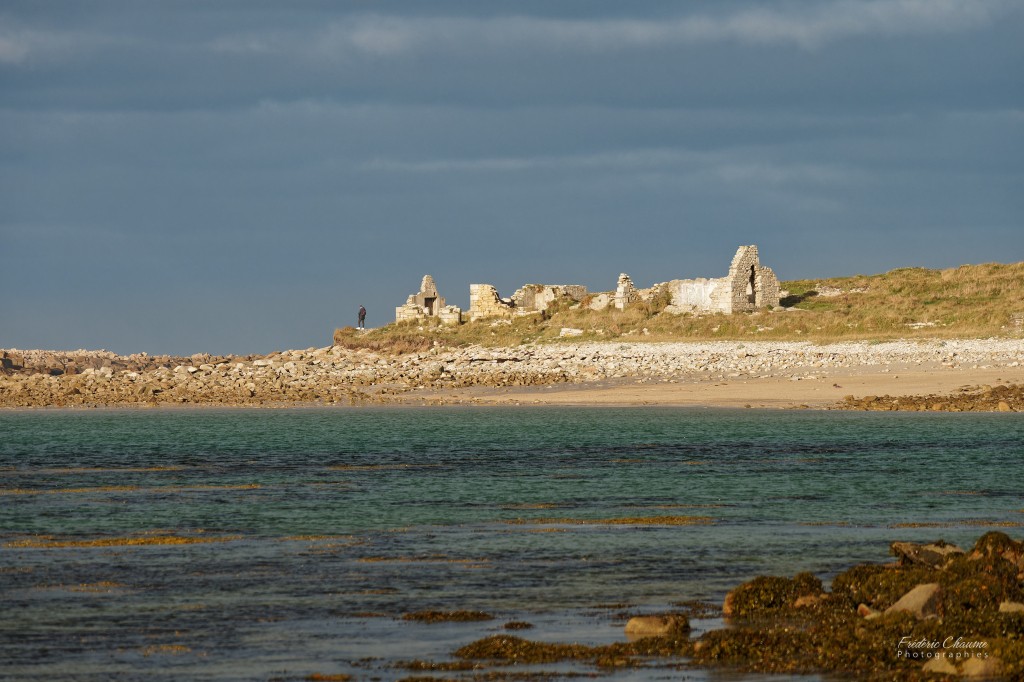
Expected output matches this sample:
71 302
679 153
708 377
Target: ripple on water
176 544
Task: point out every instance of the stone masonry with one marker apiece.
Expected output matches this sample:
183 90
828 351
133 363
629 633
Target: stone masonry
485 302
747 287
538 297
427 303
625 292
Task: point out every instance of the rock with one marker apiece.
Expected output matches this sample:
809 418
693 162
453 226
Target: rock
922 601
935 555
657 626
866 612
727 605
1011 607
997 544
939 666
806 600
1004 406
981 668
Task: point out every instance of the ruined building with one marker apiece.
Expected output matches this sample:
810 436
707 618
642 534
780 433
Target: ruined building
485 302
426 304
749 286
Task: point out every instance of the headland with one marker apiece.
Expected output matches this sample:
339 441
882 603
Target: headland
985 374
908 339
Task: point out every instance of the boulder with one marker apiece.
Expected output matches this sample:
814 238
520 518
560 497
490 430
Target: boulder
939 666
997 544
807 600
727 605
657 626
922 601
866 612
1011 607
981 668
934 555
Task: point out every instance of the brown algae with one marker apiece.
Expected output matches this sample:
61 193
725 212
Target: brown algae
792 625
49 542
447 616
624 521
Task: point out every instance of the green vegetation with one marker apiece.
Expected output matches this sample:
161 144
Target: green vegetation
971 301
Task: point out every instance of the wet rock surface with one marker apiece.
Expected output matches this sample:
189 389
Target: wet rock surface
657 626
936 554
1001 398
909 620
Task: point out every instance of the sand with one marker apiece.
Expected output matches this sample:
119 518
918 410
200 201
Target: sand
824 391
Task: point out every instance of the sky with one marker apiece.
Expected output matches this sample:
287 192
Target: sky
238 176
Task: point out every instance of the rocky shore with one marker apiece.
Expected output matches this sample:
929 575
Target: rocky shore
986 398
938 612
334 374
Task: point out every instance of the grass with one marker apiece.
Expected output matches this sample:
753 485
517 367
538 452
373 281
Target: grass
971 301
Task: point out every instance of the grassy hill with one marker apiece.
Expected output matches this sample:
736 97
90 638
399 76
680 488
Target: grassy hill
970 301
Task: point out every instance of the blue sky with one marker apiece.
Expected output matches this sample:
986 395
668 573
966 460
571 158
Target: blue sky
237 176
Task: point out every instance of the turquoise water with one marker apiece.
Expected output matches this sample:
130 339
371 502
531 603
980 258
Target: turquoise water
332 523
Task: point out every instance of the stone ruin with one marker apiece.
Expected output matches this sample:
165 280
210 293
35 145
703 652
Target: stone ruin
484 301
428 303
749 286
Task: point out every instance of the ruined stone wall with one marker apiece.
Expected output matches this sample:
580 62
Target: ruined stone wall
696 294
529 297
625 292
769 293
748 286
423 304
450 314
753 286
485 302
742 278
537 297
409 311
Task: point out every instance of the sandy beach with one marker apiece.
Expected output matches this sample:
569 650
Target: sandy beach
820 392
723 374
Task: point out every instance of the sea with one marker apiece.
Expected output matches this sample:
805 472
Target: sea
292 544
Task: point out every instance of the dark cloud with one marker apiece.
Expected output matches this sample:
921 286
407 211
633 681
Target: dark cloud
239 176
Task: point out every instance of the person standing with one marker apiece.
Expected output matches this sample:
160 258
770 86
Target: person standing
362 317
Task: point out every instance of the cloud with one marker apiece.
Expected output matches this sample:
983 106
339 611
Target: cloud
17 44
13 49
723 168
807 26
609 160
20 45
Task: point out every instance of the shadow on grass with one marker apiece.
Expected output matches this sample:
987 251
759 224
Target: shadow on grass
796 299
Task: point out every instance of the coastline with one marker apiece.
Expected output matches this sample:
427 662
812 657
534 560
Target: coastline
821 392
773 375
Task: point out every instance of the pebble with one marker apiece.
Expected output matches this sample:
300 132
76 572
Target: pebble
334 373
